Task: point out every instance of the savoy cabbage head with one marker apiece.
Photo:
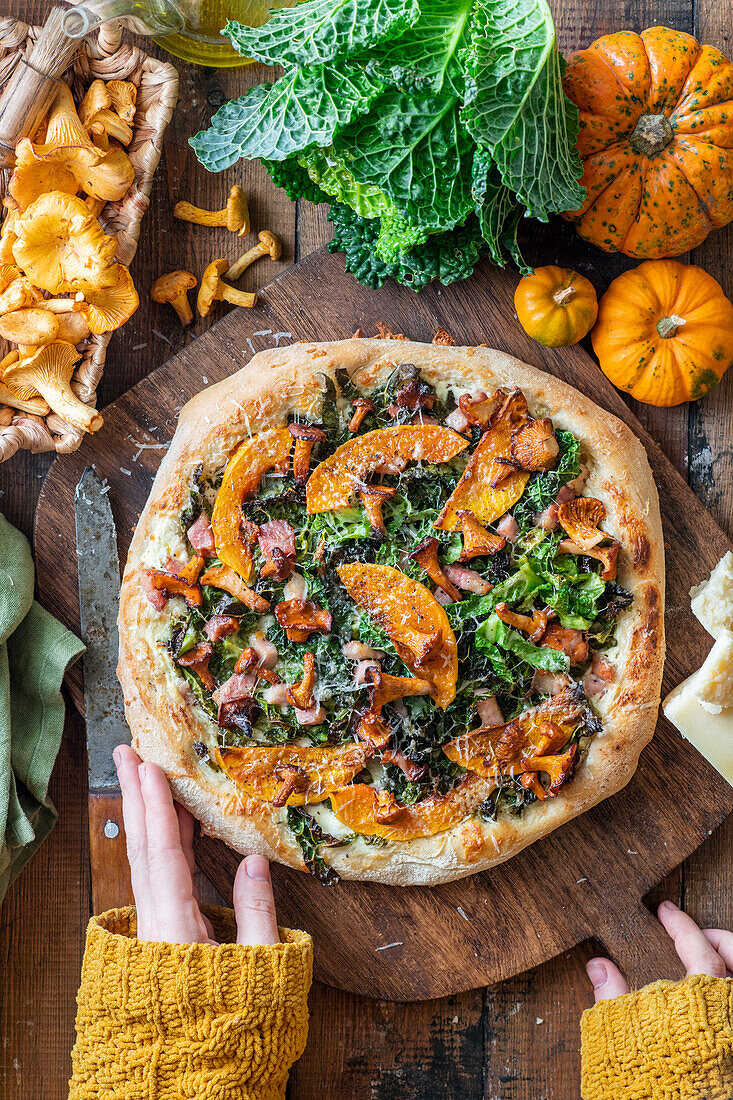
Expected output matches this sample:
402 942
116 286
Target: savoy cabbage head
431 126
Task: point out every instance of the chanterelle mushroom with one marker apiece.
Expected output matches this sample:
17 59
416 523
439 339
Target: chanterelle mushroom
16 291
61 247
29 326
65 135
534 446
235 215
48 372
426 557
34 405
269 245
124 98
33 176
213 289
109 307
477 541
306 436
172 289
374 497
97 98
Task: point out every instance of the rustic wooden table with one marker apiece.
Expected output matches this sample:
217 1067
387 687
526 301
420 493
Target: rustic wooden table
518 1041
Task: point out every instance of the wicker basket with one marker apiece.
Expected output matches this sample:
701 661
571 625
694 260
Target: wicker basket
106 58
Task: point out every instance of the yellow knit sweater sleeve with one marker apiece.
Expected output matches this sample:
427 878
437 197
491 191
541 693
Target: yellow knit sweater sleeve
161 1021
668 1041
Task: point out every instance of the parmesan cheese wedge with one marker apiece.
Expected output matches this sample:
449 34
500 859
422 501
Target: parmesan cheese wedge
702 707
712 601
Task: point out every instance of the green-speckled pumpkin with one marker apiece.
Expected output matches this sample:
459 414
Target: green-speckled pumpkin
664 332
656 140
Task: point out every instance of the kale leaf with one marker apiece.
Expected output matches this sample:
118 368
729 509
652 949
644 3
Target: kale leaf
310 836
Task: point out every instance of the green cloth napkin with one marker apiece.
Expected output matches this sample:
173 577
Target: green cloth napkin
35 651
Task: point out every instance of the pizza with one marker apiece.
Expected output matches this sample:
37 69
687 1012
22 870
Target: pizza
394 611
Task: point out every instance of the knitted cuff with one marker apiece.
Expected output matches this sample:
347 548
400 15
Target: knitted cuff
670 1039
171 1020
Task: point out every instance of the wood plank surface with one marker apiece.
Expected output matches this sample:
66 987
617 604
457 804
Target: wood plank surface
488 1044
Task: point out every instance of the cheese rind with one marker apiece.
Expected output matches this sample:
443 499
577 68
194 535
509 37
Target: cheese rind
712 601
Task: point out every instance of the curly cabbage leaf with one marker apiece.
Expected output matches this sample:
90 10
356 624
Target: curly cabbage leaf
273 121
414 148
294 180
446 257
334 178
317 31
515 105
427 55
493 632
498 212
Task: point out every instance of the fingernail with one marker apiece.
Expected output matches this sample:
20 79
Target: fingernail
116 757
257 868
142 770
597 972
669 906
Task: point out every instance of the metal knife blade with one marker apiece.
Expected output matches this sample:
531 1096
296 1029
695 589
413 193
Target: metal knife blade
99 595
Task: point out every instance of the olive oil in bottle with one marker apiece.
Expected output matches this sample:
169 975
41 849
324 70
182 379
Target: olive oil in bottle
201 41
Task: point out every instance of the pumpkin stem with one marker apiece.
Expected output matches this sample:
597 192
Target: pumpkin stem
652 134
667 326
562 297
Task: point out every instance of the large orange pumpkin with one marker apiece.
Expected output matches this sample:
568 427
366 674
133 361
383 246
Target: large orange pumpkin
656 140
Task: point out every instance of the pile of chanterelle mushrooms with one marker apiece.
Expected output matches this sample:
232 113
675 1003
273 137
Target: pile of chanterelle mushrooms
59 280
173 287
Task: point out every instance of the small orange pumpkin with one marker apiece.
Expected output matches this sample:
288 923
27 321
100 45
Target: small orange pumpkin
556 306
664 332
656 141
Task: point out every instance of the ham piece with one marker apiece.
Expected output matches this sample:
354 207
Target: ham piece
157 598
489 712
201 536
237 686
276 534
457 420
601 674
508 527
267 653
468 580
221 626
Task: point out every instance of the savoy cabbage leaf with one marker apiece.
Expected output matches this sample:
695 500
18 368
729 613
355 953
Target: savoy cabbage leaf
414 148
446 257
273 121
498 212
516 108
317 31
330 173
428 54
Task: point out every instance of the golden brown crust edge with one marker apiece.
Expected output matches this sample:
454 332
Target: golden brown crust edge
264 393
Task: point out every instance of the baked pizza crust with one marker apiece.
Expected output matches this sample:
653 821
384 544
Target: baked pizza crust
275 384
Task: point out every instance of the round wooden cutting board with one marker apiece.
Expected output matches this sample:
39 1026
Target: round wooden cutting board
587 879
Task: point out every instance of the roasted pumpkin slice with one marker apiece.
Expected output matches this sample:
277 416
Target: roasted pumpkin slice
269 450
510 749
385 450
358 808
490 488
408 611
323 770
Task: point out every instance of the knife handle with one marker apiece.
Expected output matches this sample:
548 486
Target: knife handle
111 887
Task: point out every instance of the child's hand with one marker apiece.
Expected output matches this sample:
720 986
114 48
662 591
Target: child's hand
703 951
160 851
